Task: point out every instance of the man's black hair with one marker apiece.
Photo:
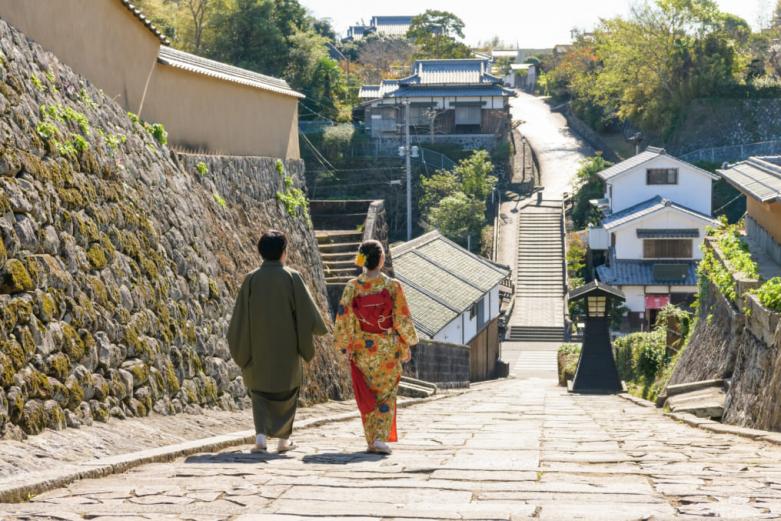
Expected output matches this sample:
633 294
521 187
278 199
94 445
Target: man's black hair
272 245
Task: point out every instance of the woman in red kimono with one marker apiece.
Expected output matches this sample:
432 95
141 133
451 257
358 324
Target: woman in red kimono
374 327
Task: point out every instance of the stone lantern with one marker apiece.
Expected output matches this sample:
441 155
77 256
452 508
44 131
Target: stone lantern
597 373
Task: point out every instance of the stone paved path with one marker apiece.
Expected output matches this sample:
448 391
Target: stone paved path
558 150
514 449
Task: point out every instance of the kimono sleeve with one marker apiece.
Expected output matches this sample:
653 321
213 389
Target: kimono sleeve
347 326
402 318
309 321
239 341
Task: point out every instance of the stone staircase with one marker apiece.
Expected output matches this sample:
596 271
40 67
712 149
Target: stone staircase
338 249
539 283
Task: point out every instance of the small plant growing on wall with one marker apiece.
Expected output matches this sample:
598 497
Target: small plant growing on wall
202 168
292 197
157 130
219 200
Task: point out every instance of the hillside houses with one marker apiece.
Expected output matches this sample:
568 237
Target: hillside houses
395 26
656 209
205 105
454 101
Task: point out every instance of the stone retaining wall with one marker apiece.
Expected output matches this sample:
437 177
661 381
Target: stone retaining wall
444 364
119 261
730 344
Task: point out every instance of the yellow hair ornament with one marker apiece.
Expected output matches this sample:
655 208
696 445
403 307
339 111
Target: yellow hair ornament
360 260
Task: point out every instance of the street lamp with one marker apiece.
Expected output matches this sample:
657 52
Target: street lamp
597 373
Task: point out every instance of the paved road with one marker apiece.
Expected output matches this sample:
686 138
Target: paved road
558 150
514 449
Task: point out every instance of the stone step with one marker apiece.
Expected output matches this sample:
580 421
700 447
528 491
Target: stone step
342 247
338 236
703 403
414 391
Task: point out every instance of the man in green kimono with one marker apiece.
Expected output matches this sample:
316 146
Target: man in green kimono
271 330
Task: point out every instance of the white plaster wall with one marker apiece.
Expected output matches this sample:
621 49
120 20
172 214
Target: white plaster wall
635 298
629 246
493 311
692 191
451 332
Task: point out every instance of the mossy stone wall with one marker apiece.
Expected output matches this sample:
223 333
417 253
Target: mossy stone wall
118 262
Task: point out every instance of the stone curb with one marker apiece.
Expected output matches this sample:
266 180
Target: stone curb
711 425
20 488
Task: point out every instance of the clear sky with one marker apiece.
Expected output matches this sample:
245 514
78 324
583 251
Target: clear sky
530 23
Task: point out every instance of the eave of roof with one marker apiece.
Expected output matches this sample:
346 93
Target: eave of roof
755 177
643 157
222 71
444 91
640 273
649 207
149 25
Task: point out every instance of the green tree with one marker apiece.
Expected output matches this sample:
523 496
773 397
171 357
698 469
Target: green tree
587 185
458 217
439 185
474 174
435 34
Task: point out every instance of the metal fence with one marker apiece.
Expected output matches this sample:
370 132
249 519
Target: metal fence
732 153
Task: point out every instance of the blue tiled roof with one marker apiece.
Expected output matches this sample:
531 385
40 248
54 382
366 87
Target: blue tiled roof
648 207
641 273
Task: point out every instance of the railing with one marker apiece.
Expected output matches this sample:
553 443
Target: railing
732 153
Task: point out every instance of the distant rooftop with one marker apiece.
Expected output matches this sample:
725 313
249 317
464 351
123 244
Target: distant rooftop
643 157
648 207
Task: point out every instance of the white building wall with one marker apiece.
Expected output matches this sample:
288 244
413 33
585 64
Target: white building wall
692 191
629 246
493 297
491 102
451 332
635 298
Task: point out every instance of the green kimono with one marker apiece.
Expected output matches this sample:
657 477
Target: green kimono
271 329
270 332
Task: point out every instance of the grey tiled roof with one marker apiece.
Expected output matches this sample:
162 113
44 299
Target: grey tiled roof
758 177
429 315
643 157
442 279
467 71
641 273
192 63
144 20
667 233
427 92
648 207
378 91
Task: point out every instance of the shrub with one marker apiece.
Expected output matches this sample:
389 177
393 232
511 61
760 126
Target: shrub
769 294
202 168
157 130
567 358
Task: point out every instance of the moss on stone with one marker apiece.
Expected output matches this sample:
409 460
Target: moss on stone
99 291
7 370
25 338
171 380
38 384
96 256
18 311
214 290
74 346
210 391
71 198
15 353
55 417
46 308
100 413
76 392
59 366
33 417
16 278
140 373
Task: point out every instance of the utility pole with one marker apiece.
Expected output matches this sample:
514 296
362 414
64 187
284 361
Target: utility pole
408 161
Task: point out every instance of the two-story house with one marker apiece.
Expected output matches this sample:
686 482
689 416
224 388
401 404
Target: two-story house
453 295
455 101
656 208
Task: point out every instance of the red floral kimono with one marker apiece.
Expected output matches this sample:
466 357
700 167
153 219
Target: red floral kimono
374 326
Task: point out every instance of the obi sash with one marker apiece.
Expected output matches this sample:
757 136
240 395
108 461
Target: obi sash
374 311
